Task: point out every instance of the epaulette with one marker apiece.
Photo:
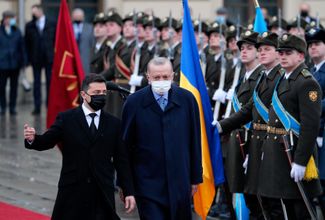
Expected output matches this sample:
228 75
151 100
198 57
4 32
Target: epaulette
306 73
282 71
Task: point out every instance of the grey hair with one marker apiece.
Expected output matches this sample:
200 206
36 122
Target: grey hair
79 10
159 61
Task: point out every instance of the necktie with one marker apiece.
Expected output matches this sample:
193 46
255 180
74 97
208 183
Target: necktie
314 69
92 126
162 102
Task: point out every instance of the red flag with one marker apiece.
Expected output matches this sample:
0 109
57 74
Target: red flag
67 72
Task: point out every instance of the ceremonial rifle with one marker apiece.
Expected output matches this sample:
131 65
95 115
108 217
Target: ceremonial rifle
138 50
222 74
170 37
201 49
299 183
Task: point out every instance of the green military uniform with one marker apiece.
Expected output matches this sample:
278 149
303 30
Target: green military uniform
98 55
235 157
173 52
300 96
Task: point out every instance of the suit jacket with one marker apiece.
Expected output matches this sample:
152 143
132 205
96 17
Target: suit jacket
85 159
86 43
40 46
164 148
300 95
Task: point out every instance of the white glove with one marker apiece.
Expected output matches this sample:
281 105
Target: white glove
319 142
245 164
135 80
297 172
217 124
230 94
219 95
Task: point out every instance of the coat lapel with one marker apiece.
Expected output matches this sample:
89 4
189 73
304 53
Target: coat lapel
173 99
149 101
102 125
81 119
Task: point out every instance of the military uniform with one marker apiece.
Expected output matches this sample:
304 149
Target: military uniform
300 96
98 55
174 52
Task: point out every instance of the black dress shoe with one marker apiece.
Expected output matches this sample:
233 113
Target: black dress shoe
36 112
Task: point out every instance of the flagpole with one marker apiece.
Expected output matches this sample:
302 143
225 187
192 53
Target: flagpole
256 4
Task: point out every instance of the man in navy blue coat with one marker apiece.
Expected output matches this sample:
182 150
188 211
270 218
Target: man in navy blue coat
161 128
316 47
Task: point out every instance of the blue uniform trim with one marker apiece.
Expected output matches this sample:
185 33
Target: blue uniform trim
259 105
288 121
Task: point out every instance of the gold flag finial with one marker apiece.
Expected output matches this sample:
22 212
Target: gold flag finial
256 4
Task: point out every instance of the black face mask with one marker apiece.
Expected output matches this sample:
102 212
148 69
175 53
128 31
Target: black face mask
304 13
97 102
34 17
77 22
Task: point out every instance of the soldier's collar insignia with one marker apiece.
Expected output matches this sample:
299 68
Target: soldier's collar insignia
313 96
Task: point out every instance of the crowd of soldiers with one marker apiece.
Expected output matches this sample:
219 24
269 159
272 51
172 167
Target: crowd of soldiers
252 79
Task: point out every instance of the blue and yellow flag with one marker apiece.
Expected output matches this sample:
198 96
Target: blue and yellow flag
192 80
259 24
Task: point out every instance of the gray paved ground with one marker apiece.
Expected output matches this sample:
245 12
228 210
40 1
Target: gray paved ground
29 178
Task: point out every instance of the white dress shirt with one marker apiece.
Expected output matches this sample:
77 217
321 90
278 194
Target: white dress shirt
88 118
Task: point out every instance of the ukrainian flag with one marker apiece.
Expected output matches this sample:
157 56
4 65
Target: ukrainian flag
192 80
259 23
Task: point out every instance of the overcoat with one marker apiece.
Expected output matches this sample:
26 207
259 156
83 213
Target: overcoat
164 148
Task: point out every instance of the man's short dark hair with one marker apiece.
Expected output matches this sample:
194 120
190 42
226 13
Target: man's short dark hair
91 78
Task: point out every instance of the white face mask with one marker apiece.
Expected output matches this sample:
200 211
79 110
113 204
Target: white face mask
161 87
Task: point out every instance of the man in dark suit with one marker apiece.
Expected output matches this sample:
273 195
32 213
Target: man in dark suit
83 32
161 127
91 148
40 40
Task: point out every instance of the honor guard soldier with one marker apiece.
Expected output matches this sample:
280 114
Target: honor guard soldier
297 27
201 35
140 56
152 26
99 50
256 113
115 45
171 37
214 69
316 47
288 170
278 27
236 149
